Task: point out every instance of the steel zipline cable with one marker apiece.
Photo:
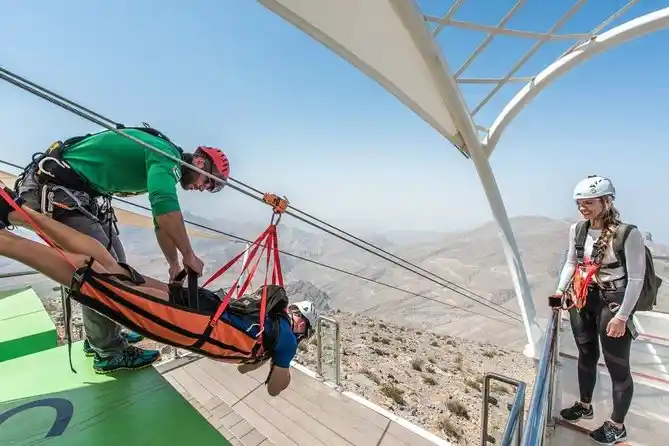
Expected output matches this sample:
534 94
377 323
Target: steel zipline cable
238 239
111 125
333 268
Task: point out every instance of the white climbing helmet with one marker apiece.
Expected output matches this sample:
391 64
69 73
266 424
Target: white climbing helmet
594 187
307 310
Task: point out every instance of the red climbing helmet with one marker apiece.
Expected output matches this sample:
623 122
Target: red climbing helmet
220 166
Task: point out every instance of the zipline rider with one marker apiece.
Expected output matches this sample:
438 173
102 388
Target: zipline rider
74 181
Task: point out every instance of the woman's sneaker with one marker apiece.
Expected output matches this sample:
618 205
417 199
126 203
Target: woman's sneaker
608 434
132 358
576 412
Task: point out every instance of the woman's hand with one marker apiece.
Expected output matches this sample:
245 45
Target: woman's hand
616 328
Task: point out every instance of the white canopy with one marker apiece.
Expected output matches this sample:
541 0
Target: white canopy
389 41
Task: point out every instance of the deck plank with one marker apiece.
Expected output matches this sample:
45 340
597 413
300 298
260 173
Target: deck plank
308 412
305 420
406 436
261 407
332 416
329 404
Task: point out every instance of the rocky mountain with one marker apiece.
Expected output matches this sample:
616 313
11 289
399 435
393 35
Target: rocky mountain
471 296
433 380
303 290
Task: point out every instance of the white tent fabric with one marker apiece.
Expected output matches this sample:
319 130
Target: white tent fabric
389 41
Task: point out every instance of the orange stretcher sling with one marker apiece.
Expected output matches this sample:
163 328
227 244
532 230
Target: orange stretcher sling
113 295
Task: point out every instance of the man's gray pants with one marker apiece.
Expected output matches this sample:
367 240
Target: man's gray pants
103 334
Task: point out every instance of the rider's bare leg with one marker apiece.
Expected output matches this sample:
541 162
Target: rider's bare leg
58 266
43 258
74 241
67 238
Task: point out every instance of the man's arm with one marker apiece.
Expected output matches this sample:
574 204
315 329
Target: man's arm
172 235
162 177
169 250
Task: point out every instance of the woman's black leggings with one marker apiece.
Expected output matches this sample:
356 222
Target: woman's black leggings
589 327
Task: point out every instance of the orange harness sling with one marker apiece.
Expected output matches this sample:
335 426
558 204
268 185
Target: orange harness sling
576 292
114 296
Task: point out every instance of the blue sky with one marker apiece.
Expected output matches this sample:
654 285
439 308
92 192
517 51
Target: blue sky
298 120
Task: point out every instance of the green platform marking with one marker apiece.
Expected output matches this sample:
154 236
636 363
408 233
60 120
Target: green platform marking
25 326
127 408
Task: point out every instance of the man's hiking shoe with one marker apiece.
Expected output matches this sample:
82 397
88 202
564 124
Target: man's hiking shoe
577 412
129 336
132 358
608 434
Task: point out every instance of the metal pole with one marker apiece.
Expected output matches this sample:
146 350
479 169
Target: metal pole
337 354
514 425
319 347
337 347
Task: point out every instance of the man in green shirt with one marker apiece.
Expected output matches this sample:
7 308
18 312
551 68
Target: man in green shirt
73 182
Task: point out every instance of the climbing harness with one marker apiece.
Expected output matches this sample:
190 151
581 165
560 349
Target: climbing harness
187 327
55 178
576 292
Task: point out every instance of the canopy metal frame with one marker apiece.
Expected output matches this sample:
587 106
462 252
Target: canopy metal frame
393 42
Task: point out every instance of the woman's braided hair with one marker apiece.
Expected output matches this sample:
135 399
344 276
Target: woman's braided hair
611 219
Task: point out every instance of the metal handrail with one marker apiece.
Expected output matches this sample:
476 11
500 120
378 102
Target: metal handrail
319 350
542 394
514 426
18 274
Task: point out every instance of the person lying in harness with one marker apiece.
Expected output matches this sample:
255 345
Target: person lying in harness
73 182
166 312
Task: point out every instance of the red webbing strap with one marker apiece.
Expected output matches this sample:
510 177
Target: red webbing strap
263 299
32 223
269 236
227 266
277 275
250 275
580 284
224 303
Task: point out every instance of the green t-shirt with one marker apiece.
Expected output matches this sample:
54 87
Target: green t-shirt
114 164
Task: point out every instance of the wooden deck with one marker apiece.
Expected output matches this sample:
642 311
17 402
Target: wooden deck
309 412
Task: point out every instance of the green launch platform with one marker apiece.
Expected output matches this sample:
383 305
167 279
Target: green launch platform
25 326
43 402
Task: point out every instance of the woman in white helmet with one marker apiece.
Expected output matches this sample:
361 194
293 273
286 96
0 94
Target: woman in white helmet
602 310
